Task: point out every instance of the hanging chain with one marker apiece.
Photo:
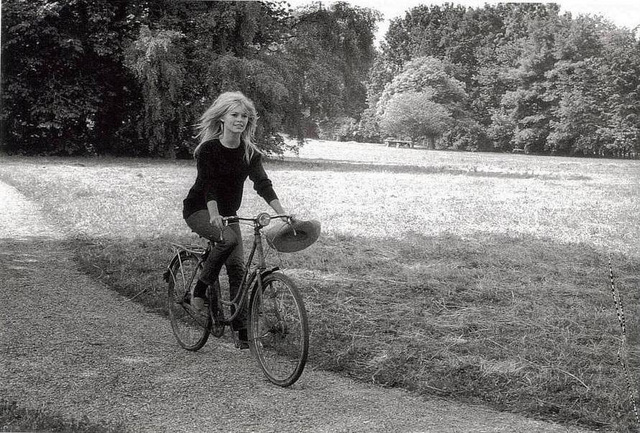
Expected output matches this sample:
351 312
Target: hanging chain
617 300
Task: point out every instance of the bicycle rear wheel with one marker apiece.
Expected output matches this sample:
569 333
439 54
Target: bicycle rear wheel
190 327
279 329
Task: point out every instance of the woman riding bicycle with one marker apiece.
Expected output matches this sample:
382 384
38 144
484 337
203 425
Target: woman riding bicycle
226 156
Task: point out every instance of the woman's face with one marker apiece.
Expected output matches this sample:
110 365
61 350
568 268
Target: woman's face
235 120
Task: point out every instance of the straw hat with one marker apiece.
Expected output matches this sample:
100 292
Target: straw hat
290 238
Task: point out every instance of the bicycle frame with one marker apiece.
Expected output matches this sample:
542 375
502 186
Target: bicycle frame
251 276
277 330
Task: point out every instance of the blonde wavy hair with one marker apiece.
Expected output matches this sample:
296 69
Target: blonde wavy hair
210 125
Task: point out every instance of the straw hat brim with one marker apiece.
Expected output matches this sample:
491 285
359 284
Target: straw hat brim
291 238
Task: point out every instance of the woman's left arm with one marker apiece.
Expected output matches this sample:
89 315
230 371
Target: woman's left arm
263 186
277 207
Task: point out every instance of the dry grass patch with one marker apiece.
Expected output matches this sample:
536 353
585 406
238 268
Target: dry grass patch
480 325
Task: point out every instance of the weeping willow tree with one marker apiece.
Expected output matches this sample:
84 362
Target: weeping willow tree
157 60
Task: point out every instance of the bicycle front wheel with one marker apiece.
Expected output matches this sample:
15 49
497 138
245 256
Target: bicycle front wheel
279 329
190 326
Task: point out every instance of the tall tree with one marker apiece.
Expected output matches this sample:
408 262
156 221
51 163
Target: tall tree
620 78
593 89
158 63
426 75
416 116
297 69
227 46
426 85
332 50
64 86
530 39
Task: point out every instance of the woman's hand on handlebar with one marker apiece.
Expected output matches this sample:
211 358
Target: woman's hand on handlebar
218 222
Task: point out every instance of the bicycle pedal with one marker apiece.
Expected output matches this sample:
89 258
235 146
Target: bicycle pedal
217 327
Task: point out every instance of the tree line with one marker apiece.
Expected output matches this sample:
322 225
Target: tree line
132 77
507 77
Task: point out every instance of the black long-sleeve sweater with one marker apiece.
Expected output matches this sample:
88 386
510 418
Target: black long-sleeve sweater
221 176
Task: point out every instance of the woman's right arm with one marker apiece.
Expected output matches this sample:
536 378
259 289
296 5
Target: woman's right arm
206 177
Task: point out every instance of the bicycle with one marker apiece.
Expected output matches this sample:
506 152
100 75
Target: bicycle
278 328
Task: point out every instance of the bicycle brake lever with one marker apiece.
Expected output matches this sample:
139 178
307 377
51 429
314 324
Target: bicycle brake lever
290 222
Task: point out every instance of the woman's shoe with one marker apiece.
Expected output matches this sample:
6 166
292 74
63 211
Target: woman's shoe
242 341
198 306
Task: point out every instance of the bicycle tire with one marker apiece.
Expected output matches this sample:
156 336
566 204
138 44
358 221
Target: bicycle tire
190 327
279 329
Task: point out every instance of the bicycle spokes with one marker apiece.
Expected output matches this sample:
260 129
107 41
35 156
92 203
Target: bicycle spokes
279 330
190 327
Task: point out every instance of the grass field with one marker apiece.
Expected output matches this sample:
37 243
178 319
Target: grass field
476 277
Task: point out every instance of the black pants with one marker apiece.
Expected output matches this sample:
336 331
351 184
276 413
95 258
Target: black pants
228 252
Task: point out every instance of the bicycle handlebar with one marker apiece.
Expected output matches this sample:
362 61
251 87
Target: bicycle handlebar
262 220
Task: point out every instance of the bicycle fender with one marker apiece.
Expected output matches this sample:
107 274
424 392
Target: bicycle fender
176 258
263 274
166 275
269 271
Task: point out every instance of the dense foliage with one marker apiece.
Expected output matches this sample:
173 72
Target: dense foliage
63 84
132 77
532 80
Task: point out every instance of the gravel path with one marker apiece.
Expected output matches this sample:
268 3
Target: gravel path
75 348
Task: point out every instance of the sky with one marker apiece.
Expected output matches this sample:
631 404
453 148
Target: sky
623 13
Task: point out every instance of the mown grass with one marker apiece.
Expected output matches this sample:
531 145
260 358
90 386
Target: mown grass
479 278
